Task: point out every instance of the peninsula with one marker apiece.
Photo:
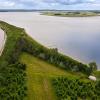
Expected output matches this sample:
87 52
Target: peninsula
31 71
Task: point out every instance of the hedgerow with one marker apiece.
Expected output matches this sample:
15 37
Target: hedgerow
73 89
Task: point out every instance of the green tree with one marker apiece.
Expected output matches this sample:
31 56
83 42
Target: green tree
93 66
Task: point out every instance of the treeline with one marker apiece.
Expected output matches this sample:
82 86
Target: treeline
53 56
75 89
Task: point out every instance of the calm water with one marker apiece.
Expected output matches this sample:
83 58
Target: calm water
76 37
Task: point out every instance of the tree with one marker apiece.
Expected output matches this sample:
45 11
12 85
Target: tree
93 66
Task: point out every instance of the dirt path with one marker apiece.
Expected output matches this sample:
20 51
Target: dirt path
48 89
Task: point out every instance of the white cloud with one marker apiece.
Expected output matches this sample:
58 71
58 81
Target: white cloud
7 3
49 4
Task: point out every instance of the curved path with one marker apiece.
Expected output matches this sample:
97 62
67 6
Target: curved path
2 41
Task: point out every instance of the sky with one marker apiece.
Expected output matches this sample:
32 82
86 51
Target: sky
51 4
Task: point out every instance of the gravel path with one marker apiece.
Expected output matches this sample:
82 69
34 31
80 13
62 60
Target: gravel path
2 40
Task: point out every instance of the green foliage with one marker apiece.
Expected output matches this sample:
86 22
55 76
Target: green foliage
74 88
97 74
93 66
12 74
12 82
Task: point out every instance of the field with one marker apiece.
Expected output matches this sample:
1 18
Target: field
39 75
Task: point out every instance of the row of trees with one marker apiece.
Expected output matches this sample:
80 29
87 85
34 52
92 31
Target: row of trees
73 89
53 56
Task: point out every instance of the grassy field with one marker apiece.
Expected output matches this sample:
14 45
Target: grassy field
39 74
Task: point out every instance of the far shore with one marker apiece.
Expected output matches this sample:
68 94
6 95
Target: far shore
72 13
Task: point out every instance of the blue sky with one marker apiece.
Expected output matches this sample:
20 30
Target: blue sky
51 4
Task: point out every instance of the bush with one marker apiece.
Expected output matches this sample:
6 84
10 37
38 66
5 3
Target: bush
75 88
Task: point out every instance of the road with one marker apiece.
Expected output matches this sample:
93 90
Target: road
2 41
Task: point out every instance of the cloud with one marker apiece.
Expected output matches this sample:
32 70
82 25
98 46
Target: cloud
69 2
49 4
6 3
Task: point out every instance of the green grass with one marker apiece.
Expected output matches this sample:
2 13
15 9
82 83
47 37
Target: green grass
39 75
97 74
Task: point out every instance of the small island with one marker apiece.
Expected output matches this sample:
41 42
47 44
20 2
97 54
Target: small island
72 13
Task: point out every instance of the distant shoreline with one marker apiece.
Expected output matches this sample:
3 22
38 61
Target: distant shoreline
72 13
44 10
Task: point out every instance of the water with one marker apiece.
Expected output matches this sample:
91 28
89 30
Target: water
77 37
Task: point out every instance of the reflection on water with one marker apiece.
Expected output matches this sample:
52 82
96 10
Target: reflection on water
77 37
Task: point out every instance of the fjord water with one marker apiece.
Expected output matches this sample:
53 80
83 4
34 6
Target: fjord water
77 37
